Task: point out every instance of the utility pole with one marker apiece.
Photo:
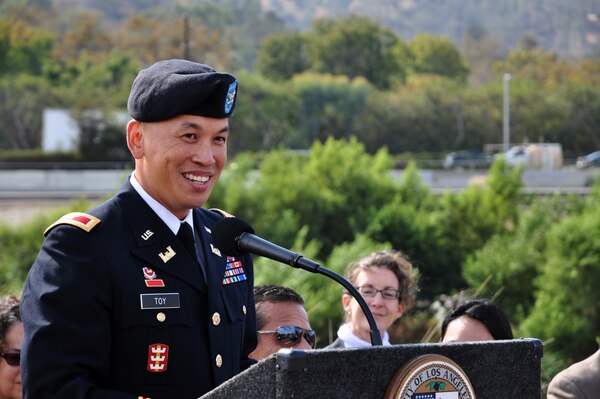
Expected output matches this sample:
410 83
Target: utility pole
186 38
506 113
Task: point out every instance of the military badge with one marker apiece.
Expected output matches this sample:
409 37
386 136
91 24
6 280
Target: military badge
230 99
215 250
151 280
167 255
78 219
234 271
158 355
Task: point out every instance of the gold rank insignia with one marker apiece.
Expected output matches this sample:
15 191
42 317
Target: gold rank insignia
167 255
78 219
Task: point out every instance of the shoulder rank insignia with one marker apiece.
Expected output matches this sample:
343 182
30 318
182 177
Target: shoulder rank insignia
78 219
222 213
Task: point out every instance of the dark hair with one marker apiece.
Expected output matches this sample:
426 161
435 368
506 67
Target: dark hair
394 261
9 314
487 312
273 293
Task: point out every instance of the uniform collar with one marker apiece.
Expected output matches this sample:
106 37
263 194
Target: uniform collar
163 213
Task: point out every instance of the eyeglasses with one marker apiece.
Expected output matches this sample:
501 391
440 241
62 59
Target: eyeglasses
13 359
291 335
369 291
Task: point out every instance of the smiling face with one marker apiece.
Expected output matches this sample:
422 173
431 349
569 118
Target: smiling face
10 376
178 161
385 311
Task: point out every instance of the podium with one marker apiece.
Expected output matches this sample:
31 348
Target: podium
495 369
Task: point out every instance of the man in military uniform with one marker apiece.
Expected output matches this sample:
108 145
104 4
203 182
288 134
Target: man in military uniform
133 299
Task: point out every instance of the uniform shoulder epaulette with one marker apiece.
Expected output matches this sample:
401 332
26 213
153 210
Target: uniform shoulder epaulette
222 213
78 219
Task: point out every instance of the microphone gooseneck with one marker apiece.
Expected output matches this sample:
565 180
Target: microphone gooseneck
235 237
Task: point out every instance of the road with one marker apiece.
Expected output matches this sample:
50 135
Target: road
23 193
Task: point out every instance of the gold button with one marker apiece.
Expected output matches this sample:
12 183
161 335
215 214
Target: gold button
219 361
216 318
244 309
160 316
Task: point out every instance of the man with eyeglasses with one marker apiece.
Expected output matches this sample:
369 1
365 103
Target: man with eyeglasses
281 321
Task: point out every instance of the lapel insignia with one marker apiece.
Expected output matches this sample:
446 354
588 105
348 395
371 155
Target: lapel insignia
149 273
208 230
167 255
158 354
234 271
215 250
147 235
151 280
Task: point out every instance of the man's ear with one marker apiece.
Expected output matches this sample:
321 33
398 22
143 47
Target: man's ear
135 135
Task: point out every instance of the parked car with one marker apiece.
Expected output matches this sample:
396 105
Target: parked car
468 159
536 155
589 160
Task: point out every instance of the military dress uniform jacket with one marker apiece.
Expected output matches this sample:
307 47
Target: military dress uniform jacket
119 309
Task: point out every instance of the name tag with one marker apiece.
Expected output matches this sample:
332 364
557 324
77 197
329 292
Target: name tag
160 301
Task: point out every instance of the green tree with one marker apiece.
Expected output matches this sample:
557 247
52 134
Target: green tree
508 264
22 99
328 106
283 55
565 313
438 56
355 46
23 49
265 116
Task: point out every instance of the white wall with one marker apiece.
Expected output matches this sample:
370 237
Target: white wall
59 131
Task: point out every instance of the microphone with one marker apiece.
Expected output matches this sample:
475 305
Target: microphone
235 237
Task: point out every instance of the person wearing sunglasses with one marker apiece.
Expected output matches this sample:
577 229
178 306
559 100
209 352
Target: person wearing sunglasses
387 282
11 337
281 321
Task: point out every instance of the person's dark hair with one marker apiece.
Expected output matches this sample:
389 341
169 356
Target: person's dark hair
487 312
9 314
395 261
273 293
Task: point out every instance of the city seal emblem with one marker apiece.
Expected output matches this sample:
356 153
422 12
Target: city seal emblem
430 377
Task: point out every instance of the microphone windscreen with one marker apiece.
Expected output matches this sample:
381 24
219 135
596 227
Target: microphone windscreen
225 233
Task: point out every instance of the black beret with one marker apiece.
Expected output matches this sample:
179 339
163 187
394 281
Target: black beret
175 87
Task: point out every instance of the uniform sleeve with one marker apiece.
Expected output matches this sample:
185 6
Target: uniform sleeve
66 314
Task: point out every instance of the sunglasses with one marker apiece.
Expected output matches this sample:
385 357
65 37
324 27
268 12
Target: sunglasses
291 335
13 359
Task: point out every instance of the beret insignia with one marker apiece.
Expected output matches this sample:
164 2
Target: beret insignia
78 219
230 98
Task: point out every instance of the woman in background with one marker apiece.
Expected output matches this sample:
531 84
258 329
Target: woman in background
476 320
386 282
11 337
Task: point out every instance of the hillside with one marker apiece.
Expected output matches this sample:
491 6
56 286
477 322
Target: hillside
572 28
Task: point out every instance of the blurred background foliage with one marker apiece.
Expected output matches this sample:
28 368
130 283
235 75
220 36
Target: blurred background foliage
343 75
325 110
536 256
